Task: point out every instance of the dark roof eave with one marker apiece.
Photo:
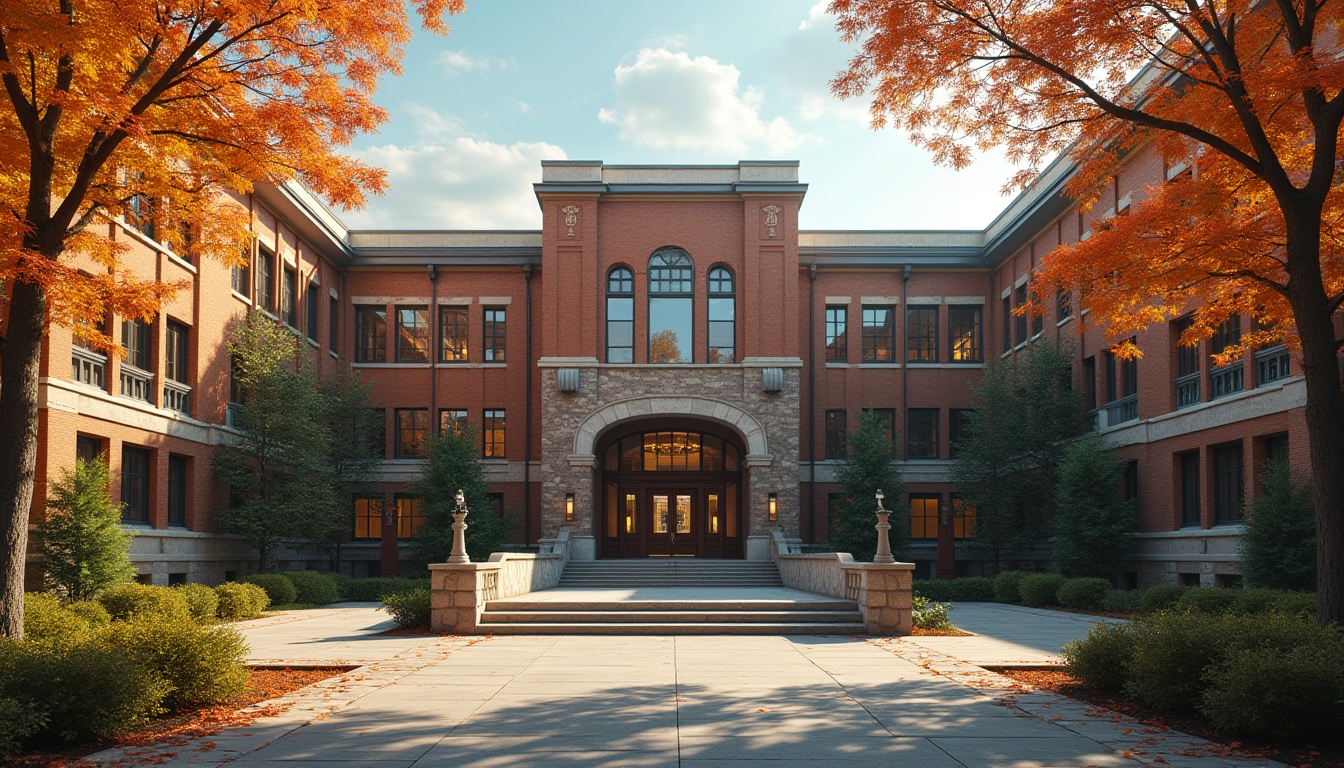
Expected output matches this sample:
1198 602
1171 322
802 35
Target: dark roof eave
330 243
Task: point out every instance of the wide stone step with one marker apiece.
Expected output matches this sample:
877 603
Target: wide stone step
654 581
687 628
671 605
671 617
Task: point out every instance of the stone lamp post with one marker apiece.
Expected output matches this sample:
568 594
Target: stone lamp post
460 531
883 539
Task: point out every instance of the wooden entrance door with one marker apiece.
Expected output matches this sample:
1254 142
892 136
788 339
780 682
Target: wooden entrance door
671 521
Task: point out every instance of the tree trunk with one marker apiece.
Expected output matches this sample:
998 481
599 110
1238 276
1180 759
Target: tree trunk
1324 412
18 445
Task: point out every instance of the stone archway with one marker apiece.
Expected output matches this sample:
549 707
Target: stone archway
748 427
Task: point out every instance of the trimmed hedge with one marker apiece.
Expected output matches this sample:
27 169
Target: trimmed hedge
1207 600
375 590
312 587
1101 659
972 590
1083 594
200 665
240 601
409 609
1040 589
201 601
48 621
937 590
1006 586
279 589
126 600
1296 692
1161 597
1122 600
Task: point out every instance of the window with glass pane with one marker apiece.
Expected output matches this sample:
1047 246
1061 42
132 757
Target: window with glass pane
310 306
963 334
264 291
1064 305
957 421
140 215
370 334
722 316
1020 321
921 433
1007 323
620 316
410 516
1276 448
368 517
1037 320
412 334
1187 355
921 334
1129 376
412 431
886 417
289 298
88 448
496 326
177 490
879 334
134 484
924 516
333 323
451 419
837 323
836 434
493 434
176 359
453 334
1228 488
671 281
135 338
240 275
963 518
1227 335
1190 488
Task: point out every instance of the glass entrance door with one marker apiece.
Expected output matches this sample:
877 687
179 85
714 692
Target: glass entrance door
671 515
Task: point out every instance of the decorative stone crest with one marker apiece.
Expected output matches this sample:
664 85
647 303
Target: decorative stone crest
571 218
771 218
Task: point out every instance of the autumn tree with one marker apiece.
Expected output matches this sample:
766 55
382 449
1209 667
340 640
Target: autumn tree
1249 95
172 107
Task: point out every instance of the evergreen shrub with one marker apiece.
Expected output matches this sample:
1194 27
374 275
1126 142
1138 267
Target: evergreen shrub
1161 597
1083 594
200 665
1207 600
90 611
1117 600
240 601
1101 659
47 621
19 721
939 590
201 601
1293 693
409 609
313 587
279 589
1006 586
972 590
376 589
127 600
1040 589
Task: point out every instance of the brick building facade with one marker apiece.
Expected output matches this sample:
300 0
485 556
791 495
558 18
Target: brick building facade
667 367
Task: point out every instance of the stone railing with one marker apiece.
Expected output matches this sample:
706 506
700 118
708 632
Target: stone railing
461 590
882 590
177 397
137 384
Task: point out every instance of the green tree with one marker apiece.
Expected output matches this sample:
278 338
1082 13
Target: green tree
280 482
349 462
1093 528
453 463
1013 442
869 466
1278 549
85 547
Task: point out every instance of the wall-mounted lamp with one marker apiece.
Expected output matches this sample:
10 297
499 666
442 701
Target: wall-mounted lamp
772 507
569 507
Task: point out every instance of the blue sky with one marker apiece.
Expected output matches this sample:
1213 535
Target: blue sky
631 81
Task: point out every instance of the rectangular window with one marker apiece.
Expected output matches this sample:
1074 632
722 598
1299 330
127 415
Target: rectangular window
836 433
333 323
1130 482
135 338
412 432
175 362
177 490
957 421
310 306
412 334
452 334
264 292
1226 335
1020 320
1037 321
1276 448
1112 366
620 329
368 517
240 274
964 334
1187 365
722 329
493 435
887 418
1190 489
924 516
921 334
879 334
1090 383
1129 376
963 518
921 433
134 484
289 298
837 325
1228 490
370 334
495 327
410 515
1064 305
140 215
88 448
452 420
1007 323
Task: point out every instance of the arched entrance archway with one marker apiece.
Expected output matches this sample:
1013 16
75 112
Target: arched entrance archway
670 489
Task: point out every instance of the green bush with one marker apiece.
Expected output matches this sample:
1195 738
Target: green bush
1083 594
85 550
1040 589
279 589
84 690
313 587
201 665
1122 600
19 721
1161 597
938 590
1297 692
1278 547
127 600
972 590
1207 600
342 584
374 590
46 620
1295 603
930 615
1006 586
1102 658
240 601
409 609
92 612
201 601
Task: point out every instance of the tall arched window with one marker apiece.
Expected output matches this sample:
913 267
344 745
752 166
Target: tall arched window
671 283
620 315
722 316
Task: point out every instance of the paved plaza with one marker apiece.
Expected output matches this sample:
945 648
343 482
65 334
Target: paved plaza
738 701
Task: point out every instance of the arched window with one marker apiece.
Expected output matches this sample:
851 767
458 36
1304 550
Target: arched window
671 282
722 316
620 315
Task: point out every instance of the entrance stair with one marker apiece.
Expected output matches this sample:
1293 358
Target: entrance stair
671 597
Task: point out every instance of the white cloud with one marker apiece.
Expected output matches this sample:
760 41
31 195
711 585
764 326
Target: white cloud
669 99
817 15
457 62
459 183
806 61
429 122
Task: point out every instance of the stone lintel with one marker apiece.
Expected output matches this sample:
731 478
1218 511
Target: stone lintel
761 460
584 460
567 362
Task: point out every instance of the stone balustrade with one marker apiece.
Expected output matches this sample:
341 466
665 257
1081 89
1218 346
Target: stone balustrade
461 590
882 590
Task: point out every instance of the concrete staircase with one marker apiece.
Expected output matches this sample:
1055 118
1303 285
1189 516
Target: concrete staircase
671 597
